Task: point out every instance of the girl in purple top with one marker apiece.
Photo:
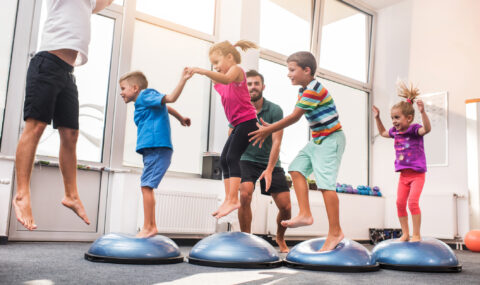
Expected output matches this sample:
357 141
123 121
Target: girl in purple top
230 82
410 156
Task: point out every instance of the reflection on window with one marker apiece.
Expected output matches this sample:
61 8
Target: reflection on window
289 19
198 15
163 64
352 106
7 22
279 90
345 42
92 81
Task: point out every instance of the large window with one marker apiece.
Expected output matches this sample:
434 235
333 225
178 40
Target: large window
194 14
280 91
7 22
345 40
162 60
92 81
285 26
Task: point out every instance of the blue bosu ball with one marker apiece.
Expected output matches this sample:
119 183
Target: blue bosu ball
428 255
348 256
236 250
121 248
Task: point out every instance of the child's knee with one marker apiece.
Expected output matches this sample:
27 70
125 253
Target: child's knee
414 207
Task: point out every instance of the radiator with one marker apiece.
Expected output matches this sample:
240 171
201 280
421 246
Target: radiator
439 215
183 212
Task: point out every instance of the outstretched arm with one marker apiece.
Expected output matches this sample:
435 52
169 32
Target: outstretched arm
183 120
235 73
172 97
100 5
426 121
380 127
263 132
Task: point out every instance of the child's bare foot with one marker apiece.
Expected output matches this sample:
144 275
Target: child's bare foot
404 238
147 232
76 206
331 242
218 210
227 208
415 238
282 245
23 211
298 221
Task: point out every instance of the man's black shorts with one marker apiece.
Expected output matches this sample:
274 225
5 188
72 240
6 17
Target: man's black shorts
51 92
251 171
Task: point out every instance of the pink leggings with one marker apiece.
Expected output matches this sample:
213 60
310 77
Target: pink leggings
410 187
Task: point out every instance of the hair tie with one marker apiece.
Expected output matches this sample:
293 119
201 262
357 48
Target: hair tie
410 101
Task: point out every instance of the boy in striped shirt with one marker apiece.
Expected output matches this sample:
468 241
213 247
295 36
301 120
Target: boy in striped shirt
322 155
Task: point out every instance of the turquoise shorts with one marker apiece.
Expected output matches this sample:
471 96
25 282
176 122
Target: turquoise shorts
322 159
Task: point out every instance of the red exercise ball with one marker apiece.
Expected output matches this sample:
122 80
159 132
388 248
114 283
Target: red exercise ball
472 240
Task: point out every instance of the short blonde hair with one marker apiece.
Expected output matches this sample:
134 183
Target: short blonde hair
226 47
135 77
410 94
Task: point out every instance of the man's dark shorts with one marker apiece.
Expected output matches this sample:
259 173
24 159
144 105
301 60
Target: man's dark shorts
51 92
251 171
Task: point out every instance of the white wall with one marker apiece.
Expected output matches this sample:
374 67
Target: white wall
434 44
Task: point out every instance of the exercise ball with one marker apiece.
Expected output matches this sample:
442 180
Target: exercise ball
472 240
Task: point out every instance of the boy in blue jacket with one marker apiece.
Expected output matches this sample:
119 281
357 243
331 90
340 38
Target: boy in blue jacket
153 136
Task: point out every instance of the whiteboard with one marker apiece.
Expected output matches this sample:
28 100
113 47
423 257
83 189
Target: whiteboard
435 142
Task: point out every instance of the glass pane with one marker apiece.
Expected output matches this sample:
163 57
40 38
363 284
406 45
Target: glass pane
345 42
352 105
290 19
198 15
280 91
162 64
118 2
7 22
92 82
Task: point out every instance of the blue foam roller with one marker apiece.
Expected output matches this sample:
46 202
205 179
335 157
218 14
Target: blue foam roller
234 249
348 256
428 255
121 248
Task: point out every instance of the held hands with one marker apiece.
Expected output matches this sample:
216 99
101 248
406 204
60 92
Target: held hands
261 134
185 122
186 73
421 107
193 70
267 175
376 112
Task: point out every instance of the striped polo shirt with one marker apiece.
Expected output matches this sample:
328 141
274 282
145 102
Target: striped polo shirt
321 112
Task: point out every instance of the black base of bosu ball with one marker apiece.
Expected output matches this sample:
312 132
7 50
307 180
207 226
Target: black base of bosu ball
427 255
347 256
121 248
234 250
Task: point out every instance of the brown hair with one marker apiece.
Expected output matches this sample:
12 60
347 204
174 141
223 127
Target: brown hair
226 47
254 73
135 77
304 59
409 93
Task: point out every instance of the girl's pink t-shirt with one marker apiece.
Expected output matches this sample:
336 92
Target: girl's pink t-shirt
236 101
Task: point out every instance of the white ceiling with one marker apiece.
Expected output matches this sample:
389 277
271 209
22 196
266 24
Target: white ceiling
380 4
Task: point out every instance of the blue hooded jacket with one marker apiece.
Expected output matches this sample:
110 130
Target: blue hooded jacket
151 118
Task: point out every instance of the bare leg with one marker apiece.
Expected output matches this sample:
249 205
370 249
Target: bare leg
282 200
68 166
416 221
304 217
24 158
245 210
335 234
149 224
226 183
405 232
231 200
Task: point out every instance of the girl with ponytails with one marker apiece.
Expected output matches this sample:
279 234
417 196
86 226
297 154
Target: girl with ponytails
410 156
230 82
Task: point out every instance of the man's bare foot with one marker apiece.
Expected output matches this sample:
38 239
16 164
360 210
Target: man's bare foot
404 238
415 238
298 221
227 208
282 245
331 242
146 233
76 206
23 211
